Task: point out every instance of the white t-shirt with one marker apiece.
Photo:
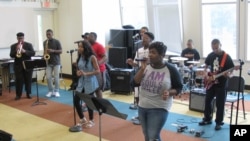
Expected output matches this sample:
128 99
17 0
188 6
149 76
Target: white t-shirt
154 82
141 53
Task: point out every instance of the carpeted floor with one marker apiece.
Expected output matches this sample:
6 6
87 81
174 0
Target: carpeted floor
112 128
59 111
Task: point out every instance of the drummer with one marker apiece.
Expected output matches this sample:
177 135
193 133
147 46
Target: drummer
191 53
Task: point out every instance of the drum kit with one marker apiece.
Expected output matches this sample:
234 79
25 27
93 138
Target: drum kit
192 77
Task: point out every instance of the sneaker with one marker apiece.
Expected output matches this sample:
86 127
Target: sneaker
135 118
75 128
90 124
82 122
57 94
203 122
137 122
217 127
49 94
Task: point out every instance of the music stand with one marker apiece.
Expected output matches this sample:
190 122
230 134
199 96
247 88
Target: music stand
37 65
102 106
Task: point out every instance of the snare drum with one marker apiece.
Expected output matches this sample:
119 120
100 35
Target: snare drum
199 73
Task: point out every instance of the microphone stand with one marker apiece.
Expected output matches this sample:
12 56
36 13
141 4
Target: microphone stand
73 91
239 86
134 105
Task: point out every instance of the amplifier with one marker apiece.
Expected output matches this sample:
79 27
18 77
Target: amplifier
197 100
120 80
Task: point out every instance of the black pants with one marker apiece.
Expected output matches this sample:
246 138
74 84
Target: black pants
220 94
22 76
78 106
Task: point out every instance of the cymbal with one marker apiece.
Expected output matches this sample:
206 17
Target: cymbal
193 62
179 58
165 59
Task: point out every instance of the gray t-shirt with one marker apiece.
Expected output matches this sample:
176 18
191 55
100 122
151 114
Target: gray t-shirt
154 82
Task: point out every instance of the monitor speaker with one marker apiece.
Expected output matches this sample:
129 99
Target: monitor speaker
117 57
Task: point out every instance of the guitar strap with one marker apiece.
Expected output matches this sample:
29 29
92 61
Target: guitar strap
223 60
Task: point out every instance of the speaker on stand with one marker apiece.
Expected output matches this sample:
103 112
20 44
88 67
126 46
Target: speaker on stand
117 57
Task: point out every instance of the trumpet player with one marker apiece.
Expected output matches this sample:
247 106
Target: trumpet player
52 51
22 51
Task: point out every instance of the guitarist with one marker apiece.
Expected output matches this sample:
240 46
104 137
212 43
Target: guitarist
218 61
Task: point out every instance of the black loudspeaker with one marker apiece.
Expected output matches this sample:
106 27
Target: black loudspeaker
124 38
117 57
197 100
4 136
120 80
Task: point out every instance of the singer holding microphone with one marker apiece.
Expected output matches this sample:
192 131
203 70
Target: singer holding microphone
52 47
22 51
159 82
141 54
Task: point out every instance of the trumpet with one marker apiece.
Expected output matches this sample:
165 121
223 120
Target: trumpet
46 56
19 50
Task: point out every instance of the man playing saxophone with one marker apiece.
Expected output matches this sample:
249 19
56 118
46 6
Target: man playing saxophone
52 51
22 51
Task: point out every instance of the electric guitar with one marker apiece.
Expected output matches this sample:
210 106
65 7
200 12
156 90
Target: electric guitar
211 79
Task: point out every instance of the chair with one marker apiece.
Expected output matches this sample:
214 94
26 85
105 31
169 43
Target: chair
232 94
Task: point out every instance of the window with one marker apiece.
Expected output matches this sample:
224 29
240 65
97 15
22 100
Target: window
166 22
134 13
40 32
162 17
219 20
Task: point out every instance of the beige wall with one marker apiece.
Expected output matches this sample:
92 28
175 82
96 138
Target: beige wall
68 29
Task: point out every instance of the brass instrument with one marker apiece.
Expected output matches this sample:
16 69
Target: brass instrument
19 50
46 56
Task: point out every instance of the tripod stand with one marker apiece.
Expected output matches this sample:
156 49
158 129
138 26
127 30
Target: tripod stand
37 65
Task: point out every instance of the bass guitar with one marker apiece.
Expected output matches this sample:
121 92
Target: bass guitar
211 79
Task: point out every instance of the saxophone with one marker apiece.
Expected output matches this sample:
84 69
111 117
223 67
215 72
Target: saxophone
19 50
46 56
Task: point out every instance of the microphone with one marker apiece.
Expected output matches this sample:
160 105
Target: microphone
140 59
76 42
241 62
135 36
72 50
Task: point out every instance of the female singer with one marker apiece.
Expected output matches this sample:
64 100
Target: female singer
159 81
87 69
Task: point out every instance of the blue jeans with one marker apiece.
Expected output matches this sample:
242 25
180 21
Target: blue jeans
52 72
152 122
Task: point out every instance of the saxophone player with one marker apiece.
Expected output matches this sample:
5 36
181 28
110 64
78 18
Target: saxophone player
22 51
52 51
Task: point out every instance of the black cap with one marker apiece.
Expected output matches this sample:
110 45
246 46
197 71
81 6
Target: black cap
20 34
215 41
85 35
150 35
